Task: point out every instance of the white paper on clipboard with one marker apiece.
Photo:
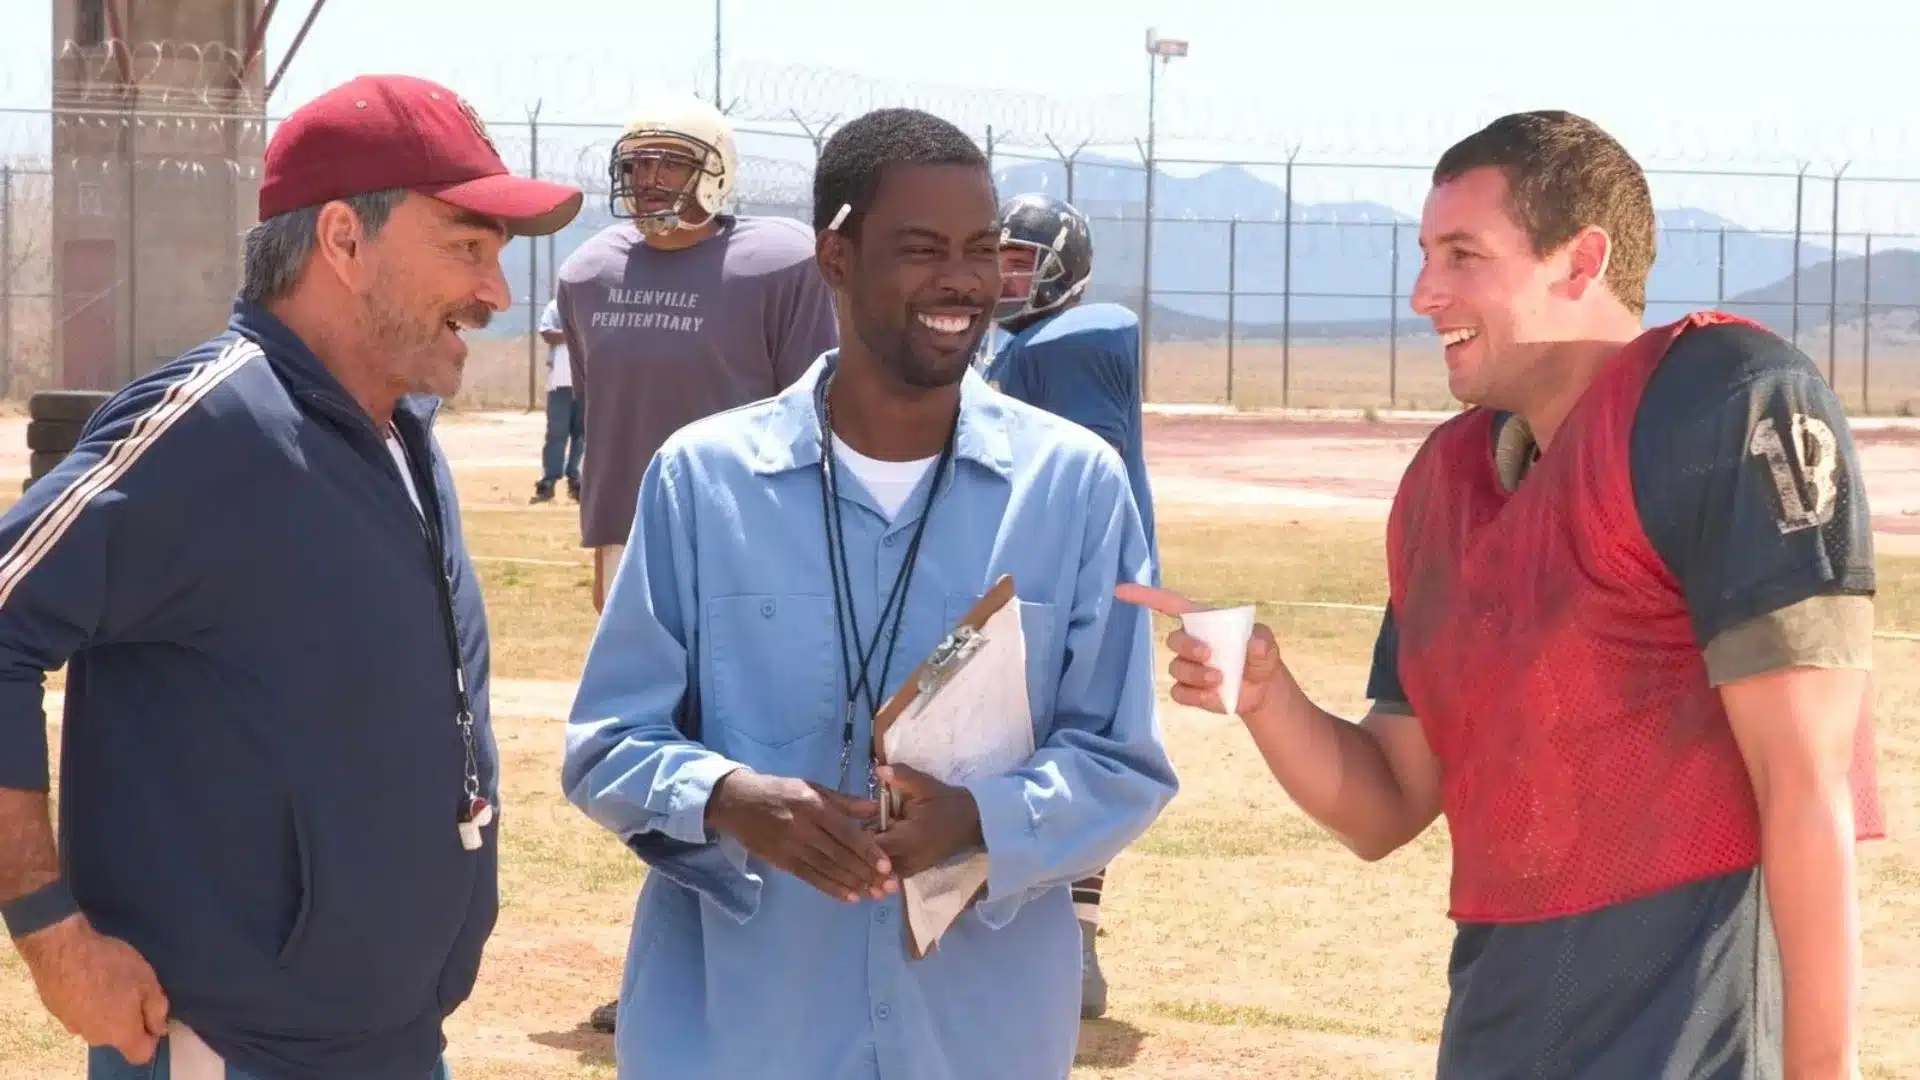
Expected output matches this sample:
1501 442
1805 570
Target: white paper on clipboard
967 718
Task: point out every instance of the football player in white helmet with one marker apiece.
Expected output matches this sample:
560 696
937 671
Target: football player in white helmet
677 310
673 167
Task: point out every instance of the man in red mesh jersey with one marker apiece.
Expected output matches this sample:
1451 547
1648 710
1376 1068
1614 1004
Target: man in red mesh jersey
1626 651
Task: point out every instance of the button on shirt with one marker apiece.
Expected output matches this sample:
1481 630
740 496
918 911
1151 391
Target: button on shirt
717 649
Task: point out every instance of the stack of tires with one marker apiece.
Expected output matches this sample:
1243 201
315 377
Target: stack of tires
54 421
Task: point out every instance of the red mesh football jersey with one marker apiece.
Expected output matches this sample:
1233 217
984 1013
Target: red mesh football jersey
1547 650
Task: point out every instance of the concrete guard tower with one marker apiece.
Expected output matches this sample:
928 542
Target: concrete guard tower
158 130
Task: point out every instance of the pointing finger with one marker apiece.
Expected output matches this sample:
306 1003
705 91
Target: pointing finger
1163 601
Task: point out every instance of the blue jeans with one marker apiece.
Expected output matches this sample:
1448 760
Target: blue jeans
105 1063
565 424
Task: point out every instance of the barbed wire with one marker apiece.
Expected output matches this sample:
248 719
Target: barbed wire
1338 216
156 73
826 94
215 77
1254 197
189 109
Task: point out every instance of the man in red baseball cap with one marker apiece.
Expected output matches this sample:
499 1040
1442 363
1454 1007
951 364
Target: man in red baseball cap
383 211
382 132
278 845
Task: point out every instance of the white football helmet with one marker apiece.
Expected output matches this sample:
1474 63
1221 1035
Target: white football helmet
675 157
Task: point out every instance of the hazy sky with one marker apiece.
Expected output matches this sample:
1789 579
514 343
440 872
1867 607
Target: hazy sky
1723 83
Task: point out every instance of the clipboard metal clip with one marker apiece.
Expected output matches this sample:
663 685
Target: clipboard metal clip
953 652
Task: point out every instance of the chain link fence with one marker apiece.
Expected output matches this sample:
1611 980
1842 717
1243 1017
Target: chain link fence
1280 282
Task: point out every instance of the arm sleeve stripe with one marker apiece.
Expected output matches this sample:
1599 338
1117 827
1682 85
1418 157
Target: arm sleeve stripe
60 514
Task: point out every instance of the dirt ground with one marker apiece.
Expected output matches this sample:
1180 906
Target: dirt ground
1319 464
1241 942
1343 466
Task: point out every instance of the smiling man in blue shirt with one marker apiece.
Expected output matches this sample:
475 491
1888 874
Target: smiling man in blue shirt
711 734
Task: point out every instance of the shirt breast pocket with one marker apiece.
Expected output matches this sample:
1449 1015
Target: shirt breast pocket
1038 631
772 683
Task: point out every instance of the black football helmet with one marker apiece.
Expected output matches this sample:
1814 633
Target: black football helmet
1062 243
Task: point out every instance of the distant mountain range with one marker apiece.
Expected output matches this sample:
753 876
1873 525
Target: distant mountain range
1345 280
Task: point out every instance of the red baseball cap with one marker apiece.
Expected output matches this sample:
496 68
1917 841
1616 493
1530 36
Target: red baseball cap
396 131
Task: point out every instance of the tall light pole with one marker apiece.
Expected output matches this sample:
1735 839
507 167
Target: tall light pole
716 57
1159 51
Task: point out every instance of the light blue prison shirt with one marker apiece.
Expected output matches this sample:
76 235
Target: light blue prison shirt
717 650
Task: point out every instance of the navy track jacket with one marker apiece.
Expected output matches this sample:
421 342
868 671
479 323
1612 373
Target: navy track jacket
261 765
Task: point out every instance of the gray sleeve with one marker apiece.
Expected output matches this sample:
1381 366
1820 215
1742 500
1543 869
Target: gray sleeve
576 356
1831 630
804 322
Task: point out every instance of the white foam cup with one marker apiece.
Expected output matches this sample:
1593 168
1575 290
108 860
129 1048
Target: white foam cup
1225 632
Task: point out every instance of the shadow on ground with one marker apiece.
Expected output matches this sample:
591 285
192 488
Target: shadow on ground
1108 1044
590 1046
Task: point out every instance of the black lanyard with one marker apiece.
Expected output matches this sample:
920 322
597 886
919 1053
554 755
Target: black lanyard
846 623
474 809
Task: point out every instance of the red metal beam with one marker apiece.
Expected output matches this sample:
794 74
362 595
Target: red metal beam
293 49
256 39
117 33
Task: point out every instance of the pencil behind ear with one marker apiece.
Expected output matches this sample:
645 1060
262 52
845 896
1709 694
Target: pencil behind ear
831 249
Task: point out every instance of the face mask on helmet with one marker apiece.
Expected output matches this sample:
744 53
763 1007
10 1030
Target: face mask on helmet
1033 280
655 180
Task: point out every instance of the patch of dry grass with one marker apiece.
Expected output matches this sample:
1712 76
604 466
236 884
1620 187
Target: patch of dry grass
1239 940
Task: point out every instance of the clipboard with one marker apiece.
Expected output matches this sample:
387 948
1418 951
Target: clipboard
962 643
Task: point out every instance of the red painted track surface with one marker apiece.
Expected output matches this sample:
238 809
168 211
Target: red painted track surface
1350 467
